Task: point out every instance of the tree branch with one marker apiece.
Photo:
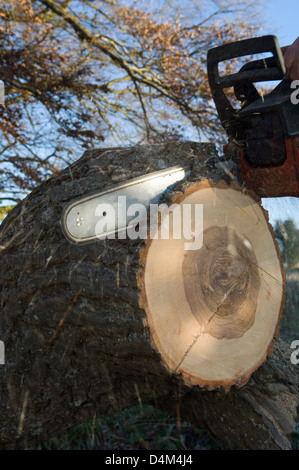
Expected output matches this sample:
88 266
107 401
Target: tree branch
133 71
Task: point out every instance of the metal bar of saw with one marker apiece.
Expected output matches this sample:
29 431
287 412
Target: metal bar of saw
80 217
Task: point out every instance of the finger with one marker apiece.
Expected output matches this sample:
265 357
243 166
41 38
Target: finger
284 49
289 57
294 71
293 68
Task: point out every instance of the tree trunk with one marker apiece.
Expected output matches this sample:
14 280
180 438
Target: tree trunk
78 343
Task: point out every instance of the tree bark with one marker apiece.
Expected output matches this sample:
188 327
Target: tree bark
77 341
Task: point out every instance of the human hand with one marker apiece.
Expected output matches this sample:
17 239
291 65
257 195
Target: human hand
291 59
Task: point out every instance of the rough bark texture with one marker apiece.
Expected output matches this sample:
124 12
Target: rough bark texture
75 339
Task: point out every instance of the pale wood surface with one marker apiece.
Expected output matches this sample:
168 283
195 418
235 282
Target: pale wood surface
213 312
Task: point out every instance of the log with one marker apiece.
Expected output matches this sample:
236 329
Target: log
213 311
78 340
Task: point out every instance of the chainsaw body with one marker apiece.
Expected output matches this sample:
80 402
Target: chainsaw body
265 128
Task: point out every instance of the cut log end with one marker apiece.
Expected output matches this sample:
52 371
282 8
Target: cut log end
214 311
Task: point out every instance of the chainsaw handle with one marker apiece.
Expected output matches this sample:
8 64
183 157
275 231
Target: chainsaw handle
272 68
275 71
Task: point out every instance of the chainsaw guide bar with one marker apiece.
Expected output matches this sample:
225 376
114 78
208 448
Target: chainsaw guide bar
80 217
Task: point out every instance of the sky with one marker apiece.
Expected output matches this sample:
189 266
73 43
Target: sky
281 19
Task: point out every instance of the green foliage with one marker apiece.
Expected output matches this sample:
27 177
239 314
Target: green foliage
135 428
287 235
289 326
295 438
295 434
4 210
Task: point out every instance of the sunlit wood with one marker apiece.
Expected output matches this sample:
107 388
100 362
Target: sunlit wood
213 312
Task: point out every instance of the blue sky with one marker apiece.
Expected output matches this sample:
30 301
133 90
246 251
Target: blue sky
281 19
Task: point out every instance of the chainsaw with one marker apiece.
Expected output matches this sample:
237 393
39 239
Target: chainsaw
263 128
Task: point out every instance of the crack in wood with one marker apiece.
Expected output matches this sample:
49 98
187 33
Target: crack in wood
203 329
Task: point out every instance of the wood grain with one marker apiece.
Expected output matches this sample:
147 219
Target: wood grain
213 312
